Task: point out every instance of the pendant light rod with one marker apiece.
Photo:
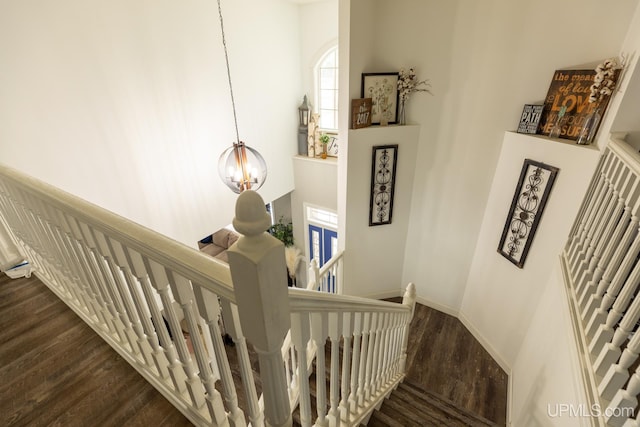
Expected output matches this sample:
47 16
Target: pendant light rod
226 57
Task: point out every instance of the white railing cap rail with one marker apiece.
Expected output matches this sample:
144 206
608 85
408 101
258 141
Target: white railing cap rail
304 300
188 262
332 261
626 152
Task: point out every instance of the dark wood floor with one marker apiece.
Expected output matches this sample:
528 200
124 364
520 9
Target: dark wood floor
445 359
54 370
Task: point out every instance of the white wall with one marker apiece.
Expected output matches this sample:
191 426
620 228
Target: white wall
319 32
126 104
485 60
547 372
500 299
374 255
315 179
316 183
544 368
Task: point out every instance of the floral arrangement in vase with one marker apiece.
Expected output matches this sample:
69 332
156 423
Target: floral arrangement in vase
324 140
407 84
604 82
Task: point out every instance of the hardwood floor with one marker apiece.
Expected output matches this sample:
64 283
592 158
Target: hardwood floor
443 358
54 370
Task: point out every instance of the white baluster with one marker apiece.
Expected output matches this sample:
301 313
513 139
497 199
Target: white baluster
319 332
377 348
233 327
612 279
356 365
158 334
347 333
577 240
618 374
621 280
258 270
300 334
370 356
295 391
588 199
184 295
180 367
209 308
600 286
599 194
335 326
602 239
364 358
112 280
594 225
611 351
386 349
624 402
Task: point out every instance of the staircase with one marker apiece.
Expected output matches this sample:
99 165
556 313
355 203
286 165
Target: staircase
409 405
163 307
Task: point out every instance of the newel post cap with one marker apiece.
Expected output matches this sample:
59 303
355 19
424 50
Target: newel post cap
251 216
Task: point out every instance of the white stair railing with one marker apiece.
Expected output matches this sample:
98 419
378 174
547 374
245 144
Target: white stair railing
372 336
161 304
602 275
155 301
328 278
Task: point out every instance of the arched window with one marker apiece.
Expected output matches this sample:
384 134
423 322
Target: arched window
326 74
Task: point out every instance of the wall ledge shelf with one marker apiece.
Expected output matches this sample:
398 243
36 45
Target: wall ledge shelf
333 161
542 138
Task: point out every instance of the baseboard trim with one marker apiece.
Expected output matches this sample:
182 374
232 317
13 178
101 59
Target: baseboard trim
485 343
440 307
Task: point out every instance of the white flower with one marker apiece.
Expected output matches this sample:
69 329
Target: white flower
408 83
603 81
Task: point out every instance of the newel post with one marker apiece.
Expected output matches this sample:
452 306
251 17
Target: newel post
259 276
408 299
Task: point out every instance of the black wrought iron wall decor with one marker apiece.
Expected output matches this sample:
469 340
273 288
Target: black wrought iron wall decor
383 180
529 200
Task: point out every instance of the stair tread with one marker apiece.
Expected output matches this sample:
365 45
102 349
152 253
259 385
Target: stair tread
430 396
410 405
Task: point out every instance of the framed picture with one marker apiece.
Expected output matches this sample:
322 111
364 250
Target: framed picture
332 145
360 113
383 180
382 88
530 118
535 183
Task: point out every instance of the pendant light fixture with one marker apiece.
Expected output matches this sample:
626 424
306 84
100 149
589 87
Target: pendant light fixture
240 166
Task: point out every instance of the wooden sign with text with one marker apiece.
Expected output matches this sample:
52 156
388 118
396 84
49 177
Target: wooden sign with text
360 113
530 118
570 88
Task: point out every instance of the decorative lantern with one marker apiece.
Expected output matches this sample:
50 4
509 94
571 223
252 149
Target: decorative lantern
303 125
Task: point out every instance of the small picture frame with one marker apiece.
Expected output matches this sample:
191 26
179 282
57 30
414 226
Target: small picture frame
530 118
360 113
534 185
382 88
383 181
332 145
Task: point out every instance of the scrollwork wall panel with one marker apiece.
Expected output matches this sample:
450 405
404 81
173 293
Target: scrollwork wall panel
532 192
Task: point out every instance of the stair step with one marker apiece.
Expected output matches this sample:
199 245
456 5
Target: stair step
410 405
